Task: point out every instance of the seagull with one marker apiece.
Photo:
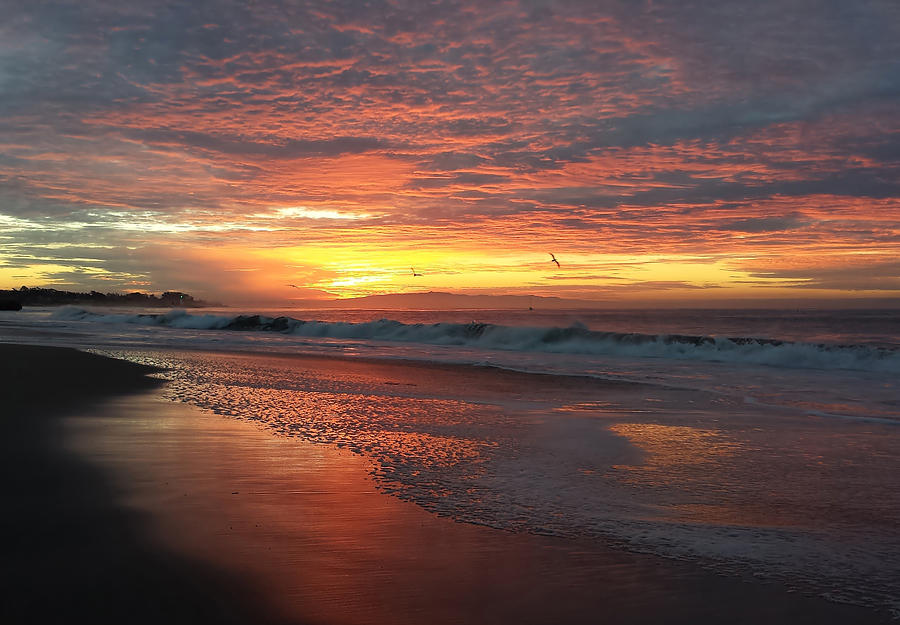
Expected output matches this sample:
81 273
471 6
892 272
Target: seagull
294 285
414 271
553 259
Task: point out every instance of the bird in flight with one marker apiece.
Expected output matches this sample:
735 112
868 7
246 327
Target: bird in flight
294 285
414 271
553 259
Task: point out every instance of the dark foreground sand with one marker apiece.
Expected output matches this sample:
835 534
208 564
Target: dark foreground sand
128 508
71 551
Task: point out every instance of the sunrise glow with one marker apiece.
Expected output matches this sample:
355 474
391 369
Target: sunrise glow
664 155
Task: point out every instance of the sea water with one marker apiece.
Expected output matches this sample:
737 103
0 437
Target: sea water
761 443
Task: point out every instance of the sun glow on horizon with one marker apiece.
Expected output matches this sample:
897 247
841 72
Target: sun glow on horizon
334 147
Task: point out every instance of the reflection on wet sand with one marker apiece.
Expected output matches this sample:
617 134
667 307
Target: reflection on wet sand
669 446
669 471
305 527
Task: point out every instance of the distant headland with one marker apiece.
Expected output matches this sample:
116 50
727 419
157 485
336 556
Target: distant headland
14 299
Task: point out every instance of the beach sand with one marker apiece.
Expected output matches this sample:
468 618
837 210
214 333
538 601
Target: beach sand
127 507
71 550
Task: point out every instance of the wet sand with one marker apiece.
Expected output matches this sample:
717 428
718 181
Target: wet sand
134 508
72 551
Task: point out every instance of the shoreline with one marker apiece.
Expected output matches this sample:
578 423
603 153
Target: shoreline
72 551
274 529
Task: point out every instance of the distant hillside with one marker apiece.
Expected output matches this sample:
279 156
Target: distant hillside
52 297
451 301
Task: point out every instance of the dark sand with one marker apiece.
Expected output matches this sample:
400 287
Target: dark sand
134 509
71 551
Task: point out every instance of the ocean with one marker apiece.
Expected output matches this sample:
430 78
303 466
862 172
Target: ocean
756 443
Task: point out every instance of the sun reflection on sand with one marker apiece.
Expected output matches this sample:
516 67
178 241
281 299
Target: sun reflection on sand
696 477
382 429
682 465
670 446
412 443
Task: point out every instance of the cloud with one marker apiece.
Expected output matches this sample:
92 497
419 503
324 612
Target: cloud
768 128
285 148
766 224
853 275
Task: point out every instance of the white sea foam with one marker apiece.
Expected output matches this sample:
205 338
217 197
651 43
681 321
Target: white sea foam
575 339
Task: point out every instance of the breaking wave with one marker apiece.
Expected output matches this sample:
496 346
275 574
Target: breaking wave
575 339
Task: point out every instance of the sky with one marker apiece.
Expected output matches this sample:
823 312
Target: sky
664 151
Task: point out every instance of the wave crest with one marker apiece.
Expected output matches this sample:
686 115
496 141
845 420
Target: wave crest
575 339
